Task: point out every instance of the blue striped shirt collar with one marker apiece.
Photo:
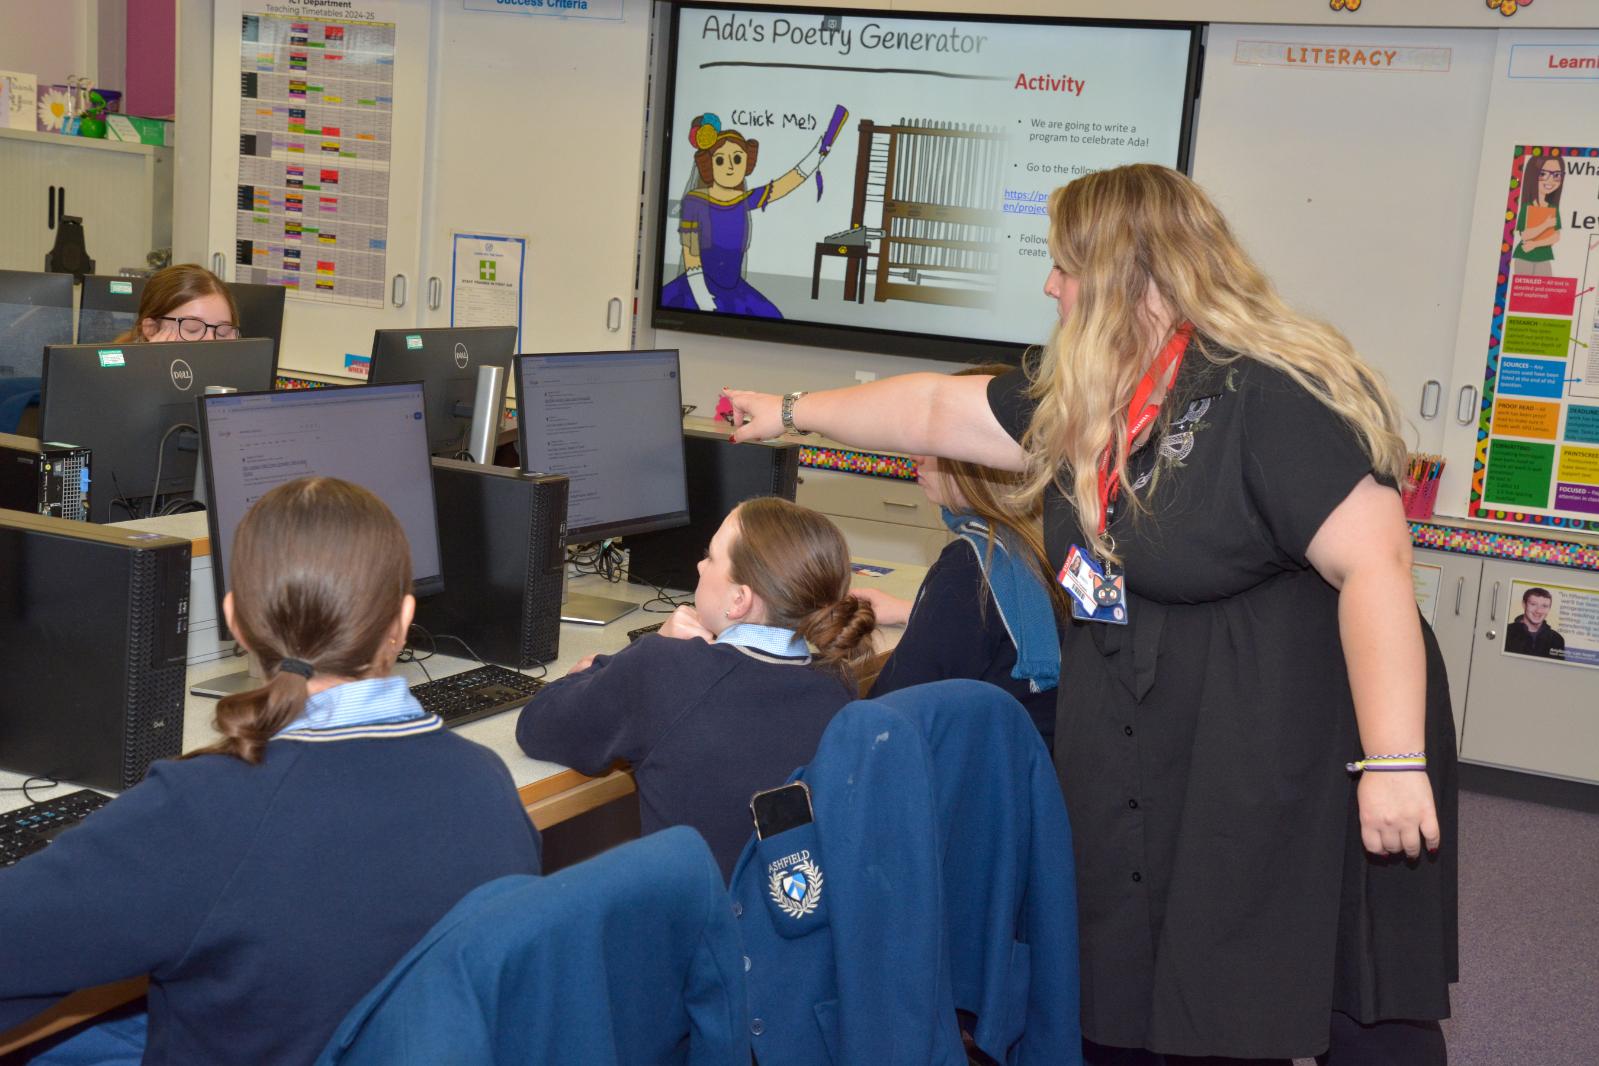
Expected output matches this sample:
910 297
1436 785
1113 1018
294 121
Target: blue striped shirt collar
378 706
773 640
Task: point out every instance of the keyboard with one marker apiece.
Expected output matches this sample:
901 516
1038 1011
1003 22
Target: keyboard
29 829
466 697
642 631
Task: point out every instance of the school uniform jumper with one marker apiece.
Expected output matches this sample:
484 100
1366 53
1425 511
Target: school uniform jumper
264 901
704 726
956 630
1227 903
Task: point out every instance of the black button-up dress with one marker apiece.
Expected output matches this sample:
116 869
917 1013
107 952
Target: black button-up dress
1226 903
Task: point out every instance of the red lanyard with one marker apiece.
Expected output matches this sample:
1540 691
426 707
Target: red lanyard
1141 413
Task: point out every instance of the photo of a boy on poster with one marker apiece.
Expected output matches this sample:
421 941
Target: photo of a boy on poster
1531 633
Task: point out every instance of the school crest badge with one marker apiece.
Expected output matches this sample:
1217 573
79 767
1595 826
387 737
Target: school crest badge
795 883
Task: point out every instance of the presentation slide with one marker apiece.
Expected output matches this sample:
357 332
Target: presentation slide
894 173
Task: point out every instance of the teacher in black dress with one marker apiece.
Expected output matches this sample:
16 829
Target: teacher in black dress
1256 749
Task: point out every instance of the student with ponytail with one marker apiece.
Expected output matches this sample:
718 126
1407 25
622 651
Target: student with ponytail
733 693
267 882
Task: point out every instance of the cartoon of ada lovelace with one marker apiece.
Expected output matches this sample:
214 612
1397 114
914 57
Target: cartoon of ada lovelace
715 226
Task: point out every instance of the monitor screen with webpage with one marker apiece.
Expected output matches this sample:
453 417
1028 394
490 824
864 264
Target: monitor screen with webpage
612 422
854 180
374 436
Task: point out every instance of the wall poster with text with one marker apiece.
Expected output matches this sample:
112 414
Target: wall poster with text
316 111
1537 456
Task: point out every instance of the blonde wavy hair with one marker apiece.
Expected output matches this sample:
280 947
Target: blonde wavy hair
1120 232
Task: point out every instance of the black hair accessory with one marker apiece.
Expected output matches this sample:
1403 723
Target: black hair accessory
296 666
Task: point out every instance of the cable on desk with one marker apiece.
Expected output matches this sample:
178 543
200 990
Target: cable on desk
408 653
36 781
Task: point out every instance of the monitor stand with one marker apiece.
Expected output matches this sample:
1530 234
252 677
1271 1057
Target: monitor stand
231 684
585 610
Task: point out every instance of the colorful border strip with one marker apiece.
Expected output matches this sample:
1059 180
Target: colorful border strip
1511 546
1479 467
872 464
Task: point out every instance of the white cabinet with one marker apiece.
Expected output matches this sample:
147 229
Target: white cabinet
1451 608
881 518
1525 712
534 132
123 193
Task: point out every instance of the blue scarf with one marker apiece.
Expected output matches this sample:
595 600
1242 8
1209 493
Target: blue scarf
1022 600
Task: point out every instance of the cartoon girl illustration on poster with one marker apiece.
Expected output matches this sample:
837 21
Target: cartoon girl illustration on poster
715 226
1538 220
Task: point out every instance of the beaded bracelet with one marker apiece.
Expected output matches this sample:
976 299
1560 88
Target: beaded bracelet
1412 760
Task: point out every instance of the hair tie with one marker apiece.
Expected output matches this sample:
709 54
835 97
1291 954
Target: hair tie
296 666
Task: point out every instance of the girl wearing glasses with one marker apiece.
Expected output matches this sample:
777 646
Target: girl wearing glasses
184 303
1538 221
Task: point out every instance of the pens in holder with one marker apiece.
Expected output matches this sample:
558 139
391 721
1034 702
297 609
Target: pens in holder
1419 493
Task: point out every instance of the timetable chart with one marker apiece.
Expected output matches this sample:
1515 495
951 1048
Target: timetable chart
315 123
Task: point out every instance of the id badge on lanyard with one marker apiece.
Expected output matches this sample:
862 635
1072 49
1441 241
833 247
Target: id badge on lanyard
1099 592
1097 596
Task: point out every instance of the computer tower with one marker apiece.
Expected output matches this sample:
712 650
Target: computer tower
502 539
48 479
94 621
721 475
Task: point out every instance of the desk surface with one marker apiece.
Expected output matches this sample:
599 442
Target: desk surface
542 784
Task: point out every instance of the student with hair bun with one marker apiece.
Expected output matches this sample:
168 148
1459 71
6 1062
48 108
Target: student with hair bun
730 697
184 302
267 882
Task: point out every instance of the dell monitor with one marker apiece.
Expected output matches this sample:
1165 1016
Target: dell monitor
108 308
446 361
127 404
612 422
374 437
35 311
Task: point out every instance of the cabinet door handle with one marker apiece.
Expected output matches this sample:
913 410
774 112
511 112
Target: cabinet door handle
219 264
397 290
435 292
897 503
1466 405
1460 587
1493 604
613 314
1431 394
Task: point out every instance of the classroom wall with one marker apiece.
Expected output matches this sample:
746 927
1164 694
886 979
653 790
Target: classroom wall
50 38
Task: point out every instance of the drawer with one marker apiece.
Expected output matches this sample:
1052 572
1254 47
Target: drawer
891 542
875 499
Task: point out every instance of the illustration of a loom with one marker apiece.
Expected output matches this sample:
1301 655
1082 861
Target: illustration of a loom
926 209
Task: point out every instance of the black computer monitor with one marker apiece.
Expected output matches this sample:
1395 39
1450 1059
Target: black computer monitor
373 436
446 362
123 403
108 308
35 311
612 422
260 311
